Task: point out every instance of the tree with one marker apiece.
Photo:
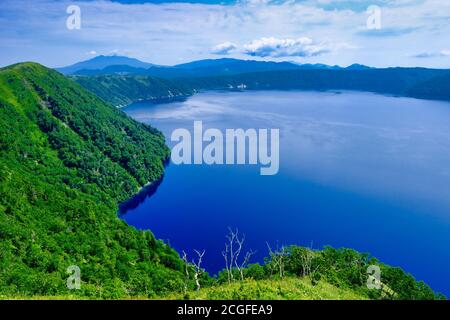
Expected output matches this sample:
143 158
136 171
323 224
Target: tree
303 261
186 271
197 267
232 252
278 258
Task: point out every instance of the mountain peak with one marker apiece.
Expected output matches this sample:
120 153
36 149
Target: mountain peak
22 65
102 61
357 66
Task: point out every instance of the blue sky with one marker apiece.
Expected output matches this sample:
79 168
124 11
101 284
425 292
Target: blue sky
412 32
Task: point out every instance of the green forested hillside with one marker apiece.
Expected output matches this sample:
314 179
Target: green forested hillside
437 88
396 81
121 90
66 160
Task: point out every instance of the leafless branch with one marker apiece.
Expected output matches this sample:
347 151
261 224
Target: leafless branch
197 266
232 252
278 258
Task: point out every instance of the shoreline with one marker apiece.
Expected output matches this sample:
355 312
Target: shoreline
147 190
161 100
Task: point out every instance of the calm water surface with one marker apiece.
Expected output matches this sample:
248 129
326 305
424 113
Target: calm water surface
359 170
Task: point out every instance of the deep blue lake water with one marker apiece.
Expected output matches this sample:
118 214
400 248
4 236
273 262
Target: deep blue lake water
358 170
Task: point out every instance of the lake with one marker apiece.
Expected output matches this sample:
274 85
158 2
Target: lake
358 170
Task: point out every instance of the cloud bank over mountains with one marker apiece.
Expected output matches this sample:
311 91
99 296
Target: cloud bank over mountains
443 53
274 48
224 48
306 31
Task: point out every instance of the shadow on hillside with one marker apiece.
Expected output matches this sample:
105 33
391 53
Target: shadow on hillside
139 198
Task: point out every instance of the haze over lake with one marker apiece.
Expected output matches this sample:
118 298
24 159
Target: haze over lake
359 170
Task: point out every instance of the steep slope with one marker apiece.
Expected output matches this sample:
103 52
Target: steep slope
66 160
122 90
410 82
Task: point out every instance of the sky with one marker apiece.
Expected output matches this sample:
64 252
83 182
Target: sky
379 33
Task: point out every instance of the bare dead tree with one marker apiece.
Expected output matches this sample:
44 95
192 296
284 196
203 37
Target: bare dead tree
186 270
307 260
232 252
197 267
278 257
225 254
239 244
244 263
229 254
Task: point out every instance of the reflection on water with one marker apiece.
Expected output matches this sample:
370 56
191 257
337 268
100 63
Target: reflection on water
135 201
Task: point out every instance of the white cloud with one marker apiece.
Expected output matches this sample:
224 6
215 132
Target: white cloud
433 54
255 2
276 48
170 33
224 48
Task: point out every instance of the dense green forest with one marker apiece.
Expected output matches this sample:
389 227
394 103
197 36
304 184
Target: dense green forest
122 90
436 88
408 82
68 159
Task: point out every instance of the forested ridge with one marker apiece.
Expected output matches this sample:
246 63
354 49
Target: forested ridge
67 160
121 90
408 82
421 83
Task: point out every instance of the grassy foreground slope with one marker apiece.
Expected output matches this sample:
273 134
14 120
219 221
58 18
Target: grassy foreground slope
291 288
66 160
295 272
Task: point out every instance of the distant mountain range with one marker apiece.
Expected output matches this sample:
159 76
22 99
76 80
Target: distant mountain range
108 65
102 62
122 80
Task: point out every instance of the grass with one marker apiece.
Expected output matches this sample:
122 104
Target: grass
285 289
